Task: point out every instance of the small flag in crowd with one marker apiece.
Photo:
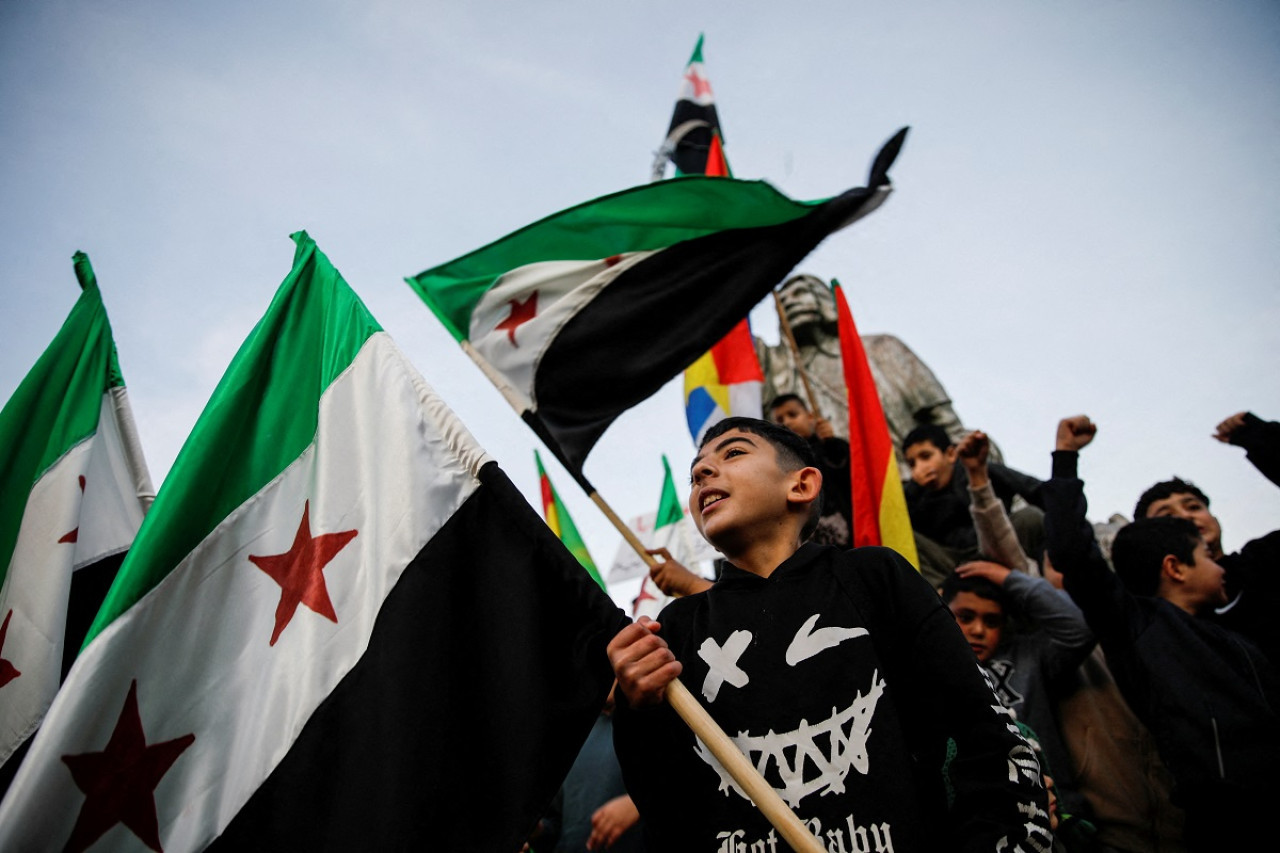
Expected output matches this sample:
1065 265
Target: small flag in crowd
561 524
75 488
668 528
338 623
585 313
694 141
879 505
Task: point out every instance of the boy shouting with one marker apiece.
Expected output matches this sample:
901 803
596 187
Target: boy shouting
841 673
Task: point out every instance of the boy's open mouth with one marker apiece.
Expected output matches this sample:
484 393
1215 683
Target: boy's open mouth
711 496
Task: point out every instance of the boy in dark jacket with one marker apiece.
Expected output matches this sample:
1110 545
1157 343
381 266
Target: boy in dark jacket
828 668
1207 694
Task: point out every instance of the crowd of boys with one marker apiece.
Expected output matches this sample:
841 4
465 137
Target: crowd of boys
1020 690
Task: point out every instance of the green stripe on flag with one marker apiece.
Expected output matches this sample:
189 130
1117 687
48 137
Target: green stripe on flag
645 218
669 509
697 51
56 406
261 417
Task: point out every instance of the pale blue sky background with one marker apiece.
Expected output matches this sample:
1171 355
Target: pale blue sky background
1086 216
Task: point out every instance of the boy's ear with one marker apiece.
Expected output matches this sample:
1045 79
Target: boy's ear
806 485
1172 569
951 454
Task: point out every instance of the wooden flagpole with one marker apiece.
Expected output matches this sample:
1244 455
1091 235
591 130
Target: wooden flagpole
678 696
795 352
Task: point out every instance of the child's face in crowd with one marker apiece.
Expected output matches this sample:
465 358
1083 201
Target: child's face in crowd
794 417
736 485
1206 578
981 620
1190 507
930 467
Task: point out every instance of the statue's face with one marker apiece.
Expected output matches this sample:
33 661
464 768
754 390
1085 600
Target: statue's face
806 300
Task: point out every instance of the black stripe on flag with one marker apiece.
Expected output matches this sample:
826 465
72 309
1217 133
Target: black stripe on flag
691 147
484 674
659 316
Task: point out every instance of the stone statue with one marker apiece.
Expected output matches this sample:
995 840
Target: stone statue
909 392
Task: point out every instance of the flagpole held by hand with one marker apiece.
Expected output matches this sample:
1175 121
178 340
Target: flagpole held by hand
677 695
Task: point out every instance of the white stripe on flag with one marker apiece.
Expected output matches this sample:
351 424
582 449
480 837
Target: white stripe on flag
389 462
561 289
64 527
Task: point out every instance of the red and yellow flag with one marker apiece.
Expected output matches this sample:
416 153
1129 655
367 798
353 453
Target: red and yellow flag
879 505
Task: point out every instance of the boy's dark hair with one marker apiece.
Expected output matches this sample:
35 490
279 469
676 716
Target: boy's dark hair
1139 550
793 453
783 399
979 586
931 433
1162 490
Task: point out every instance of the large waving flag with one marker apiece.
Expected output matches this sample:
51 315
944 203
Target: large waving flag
584 314
561 524
879 505
75 488
338 623
694 141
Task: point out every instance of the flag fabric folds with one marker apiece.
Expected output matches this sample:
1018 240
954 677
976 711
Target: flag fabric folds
879 506
587 312
340 626
694 141
725 381
561 524
75 488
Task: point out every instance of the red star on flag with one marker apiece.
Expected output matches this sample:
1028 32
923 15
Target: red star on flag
701 85
521 312
300 572
120 782
8 672
75 534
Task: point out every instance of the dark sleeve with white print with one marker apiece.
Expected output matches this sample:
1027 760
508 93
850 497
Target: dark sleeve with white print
845 680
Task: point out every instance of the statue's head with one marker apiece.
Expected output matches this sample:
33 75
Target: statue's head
807 300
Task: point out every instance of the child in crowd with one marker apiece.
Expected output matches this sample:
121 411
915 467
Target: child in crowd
938 500
835 525
1031 638
830 668
1110 762
1208 695
1253 572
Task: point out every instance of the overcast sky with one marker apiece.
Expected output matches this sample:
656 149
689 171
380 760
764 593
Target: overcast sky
1086 215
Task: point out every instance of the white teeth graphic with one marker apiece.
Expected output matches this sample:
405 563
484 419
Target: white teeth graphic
710 499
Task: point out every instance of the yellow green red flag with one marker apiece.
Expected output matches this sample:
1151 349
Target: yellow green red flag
562 525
